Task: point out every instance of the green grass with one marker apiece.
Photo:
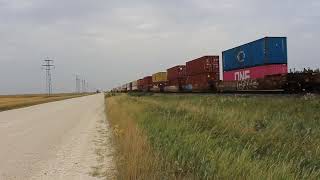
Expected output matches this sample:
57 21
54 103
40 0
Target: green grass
232 137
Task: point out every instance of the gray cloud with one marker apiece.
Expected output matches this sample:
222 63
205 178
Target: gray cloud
112 42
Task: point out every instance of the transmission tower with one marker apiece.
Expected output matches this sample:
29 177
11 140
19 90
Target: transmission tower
48 65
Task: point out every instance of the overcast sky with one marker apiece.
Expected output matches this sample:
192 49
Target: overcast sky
111 42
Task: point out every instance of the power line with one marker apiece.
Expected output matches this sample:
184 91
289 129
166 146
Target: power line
48 65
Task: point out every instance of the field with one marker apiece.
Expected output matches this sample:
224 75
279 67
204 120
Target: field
216 137
18 101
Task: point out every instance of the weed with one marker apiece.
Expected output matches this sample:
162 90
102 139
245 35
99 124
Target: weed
222 137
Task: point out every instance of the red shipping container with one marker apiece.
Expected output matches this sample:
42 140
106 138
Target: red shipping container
202 82
147 83
177 82
176 72
258 72
205 64
140 84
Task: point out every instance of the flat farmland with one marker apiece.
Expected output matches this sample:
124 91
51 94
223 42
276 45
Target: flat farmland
8 102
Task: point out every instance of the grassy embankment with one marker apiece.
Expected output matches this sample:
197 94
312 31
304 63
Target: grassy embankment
18 101
216 137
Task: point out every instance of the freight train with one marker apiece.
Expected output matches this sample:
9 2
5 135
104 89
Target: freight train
261 65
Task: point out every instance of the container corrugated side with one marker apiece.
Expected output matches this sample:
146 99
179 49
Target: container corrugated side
159 77
255 72
147 83
140 84
134 85
265 51
205 64
176 72
201 82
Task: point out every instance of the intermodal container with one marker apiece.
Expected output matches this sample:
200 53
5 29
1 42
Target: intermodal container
119 89
159 77
257 72
147 83
177 82
205 64
140 84
201 82
124 88
134 85
129 86
177 72
265 51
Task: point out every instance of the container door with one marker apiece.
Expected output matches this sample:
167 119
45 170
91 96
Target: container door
276 51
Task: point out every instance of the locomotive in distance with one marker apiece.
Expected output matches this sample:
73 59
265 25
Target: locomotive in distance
261 65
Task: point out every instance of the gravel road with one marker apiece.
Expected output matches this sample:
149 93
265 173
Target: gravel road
67 139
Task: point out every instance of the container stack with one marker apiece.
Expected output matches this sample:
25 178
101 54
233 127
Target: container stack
129 86
255 60
176 78
140 84
147 83
202 73
124 88
134 85
159 81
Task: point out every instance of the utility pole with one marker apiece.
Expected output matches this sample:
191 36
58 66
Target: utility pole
83 85
88 88
77 84
48 65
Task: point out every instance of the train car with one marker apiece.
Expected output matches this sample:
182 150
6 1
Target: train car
260 65
202 73
134 85
268 83
129 87
159 81
140 85
304 81
124 88
176 79
255 60
147 84
295 82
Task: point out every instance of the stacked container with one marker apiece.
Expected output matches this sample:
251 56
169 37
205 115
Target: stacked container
129 86
134 86
176 78
202 73
159 81
147 83
124 88
140 85
255 60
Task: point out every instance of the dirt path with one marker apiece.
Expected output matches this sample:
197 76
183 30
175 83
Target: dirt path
60 140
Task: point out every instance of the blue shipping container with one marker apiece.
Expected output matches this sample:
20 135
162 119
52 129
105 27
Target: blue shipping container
265 51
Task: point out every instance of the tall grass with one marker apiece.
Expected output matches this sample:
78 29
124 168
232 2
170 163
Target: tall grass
135 157
229 137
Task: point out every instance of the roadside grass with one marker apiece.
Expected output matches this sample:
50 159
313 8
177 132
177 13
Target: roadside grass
18 101
216 137
135 158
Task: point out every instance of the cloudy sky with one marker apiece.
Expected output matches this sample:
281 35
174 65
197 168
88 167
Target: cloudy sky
110 42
